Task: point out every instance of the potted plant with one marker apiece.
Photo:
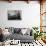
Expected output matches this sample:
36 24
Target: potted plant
37 33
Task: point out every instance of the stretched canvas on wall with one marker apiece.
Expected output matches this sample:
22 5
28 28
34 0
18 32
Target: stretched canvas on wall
14 14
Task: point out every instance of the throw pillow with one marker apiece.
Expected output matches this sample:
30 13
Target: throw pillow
11 30
23 31
17 30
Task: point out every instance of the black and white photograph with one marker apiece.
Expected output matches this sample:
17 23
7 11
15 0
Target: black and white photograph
14 14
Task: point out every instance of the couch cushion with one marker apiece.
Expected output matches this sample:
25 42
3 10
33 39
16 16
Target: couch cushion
20 37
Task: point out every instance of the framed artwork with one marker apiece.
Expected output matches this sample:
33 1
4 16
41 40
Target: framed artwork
14 14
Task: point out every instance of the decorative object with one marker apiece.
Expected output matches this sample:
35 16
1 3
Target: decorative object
14 14
11 30
37 34
23 31
17 30
44 37
35 28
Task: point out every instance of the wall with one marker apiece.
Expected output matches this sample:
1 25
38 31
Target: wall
30 14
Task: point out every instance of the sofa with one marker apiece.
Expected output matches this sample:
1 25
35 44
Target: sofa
22 34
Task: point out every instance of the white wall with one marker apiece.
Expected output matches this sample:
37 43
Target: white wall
30 14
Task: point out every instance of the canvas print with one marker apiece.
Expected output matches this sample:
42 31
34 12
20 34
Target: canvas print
14 14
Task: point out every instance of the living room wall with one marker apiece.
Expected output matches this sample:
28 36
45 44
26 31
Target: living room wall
30 14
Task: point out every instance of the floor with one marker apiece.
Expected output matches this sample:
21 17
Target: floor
35 43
